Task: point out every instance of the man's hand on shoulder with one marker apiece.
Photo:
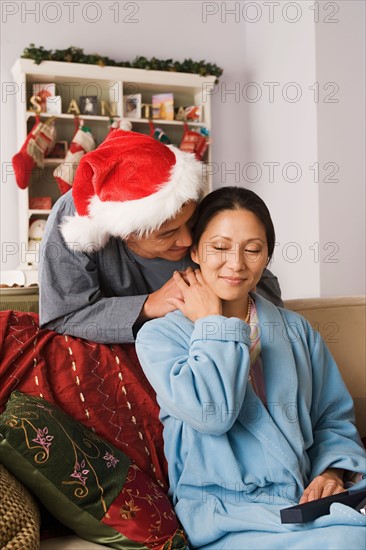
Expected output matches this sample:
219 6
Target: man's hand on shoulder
157 303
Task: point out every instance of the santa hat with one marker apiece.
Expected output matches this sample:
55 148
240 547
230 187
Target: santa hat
130 184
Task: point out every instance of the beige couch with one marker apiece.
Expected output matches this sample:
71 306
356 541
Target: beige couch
341 321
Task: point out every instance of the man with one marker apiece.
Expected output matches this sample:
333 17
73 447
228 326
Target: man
111 245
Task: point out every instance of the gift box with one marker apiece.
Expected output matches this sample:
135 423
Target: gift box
309 511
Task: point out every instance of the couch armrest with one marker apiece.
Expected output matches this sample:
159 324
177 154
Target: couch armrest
342 323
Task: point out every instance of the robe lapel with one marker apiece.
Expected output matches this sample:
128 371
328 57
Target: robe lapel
278 428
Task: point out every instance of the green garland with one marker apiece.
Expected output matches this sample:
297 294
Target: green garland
77 55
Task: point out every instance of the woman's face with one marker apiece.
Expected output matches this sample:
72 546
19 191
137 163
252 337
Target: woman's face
232 253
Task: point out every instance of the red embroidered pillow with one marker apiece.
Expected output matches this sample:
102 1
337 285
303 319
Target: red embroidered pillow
87 484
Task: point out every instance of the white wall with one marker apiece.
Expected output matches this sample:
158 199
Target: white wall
281 61
341 135
252 44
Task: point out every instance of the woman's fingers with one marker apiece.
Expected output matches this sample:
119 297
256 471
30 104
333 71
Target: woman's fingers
189 278
180 281
176 303
322 486
199 277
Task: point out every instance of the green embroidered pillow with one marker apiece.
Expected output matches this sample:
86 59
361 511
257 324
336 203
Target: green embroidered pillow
86 483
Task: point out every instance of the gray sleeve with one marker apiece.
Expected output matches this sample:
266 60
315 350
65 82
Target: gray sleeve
71 301
269 288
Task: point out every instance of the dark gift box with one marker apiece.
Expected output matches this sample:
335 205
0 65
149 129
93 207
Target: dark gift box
309 511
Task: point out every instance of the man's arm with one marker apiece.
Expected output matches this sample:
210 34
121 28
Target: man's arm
269 288
71 297
71 301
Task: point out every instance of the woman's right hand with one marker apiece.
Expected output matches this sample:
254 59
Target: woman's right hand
198 300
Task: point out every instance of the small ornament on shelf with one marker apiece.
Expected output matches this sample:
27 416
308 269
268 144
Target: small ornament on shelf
163 106
73 108
88 104
191 113
35 102
54 105
44 90
108 109
146 110
132 106
179 113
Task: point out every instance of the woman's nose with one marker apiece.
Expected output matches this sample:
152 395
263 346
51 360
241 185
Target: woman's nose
235 259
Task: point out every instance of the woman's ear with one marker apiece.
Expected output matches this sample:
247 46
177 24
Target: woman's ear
194 254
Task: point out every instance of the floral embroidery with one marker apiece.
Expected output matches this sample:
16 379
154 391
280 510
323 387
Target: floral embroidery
111 460
80 472
149 496
129 510
43 438
129 501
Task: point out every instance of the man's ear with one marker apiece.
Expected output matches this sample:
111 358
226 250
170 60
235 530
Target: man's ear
194 254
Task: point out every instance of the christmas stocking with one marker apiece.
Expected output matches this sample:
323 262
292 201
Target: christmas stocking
82 143
39 142
195 142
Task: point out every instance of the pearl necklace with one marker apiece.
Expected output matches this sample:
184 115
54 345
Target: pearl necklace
247 318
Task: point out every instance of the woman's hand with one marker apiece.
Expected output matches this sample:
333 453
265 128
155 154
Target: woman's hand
328 483
198 299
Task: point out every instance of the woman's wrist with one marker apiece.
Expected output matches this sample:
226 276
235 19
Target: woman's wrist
335 473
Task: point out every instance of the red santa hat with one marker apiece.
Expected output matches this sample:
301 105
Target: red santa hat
130 184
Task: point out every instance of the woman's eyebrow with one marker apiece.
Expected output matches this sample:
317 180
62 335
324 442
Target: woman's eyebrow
230 239
221 237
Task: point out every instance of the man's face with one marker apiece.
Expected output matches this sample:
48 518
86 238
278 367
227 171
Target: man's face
171 241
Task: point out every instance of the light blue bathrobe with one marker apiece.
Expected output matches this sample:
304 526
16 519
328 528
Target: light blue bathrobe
233 463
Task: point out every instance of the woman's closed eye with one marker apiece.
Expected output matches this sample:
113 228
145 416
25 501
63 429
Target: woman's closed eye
252 251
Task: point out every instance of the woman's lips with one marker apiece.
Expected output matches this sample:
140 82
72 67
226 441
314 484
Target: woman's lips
233 280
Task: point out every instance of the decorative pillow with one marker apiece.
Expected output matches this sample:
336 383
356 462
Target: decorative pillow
19 515
86 483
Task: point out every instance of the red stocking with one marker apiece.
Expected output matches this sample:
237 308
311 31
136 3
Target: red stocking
82 143
39 141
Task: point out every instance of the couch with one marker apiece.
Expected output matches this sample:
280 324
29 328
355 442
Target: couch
341 322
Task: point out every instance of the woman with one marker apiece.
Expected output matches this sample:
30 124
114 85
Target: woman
256 416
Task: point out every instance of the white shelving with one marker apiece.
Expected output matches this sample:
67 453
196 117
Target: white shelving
109 84
100 118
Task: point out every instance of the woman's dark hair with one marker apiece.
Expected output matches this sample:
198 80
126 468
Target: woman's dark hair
233 198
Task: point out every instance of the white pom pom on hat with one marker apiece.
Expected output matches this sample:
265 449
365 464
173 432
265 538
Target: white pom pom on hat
131 183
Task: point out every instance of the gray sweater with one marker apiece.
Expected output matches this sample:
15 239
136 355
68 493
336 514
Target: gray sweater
98 296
